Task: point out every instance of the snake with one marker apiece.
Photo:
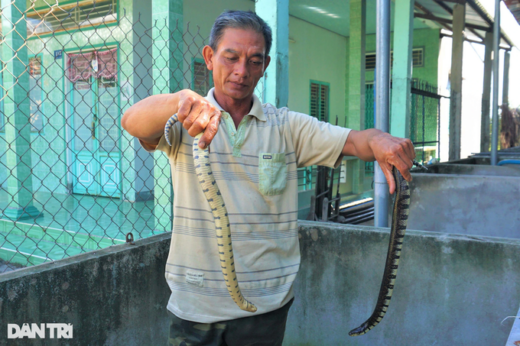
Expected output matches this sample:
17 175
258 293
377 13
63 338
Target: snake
220 215
398 229
225 249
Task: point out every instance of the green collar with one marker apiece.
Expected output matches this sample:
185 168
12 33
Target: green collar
256 111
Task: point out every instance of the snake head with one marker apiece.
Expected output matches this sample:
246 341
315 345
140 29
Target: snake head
362 329
419 165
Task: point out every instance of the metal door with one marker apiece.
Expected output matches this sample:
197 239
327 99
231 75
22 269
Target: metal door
96 131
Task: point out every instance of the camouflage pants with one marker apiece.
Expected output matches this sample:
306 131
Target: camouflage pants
261 330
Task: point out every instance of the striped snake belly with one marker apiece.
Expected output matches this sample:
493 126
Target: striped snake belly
398 229
218 209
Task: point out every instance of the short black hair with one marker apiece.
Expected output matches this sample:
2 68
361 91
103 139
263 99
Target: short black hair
240 20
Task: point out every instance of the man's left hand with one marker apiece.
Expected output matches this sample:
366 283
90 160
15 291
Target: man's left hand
392 151
389 151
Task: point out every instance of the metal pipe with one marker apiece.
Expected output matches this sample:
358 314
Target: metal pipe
494 103
381 196
509 162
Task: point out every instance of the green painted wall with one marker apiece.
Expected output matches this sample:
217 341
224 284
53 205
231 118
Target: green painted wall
316 54
197 26
422 38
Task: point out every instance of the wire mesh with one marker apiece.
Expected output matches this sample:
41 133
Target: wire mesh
71 180
424 120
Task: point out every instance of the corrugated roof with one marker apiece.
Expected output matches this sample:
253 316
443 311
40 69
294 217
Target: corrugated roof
514 7
478 21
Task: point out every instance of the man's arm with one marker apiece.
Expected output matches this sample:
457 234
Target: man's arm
146 119
389 151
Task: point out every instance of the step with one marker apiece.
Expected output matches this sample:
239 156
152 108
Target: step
58 236
29 244
26 251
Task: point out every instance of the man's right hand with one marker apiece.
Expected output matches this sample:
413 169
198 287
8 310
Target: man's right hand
146 119
196 115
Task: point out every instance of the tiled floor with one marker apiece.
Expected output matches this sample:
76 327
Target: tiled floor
73 224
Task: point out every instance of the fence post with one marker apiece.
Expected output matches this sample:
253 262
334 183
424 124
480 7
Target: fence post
505 86
459 22
486 94
17 112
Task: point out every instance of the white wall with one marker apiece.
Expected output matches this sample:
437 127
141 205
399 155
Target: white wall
514 81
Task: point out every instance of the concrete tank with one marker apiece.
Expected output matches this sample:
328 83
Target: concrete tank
467 198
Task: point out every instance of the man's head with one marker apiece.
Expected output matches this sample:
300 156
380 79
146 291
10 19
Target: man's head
238 53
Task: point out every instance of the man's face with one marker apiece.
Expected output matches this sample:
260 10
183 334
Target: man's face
238 63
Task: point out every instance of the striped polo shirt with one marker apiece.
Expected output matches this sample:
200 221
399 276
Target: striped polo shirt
255 167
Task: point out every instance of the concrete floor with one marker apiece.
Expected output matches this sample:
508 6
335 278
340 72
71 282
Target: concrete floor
72 224
7 267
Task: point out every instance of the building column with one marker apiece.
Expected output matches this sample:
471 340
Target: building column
402 68
485 134
167 16
459 22
356 81
168 50
276 14
143 87
17 112
136 84
505 88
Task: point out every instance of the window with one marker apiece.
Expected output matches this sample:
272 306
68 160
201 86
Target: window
202 79
75 15
320 100
417 59
35 93
370 61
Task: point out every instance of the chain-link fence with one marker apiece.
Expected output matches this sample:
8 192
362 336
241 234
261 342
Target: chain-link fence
71 180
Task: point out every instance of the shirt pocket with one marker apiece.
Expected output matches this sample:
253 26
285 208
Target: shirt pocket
272 173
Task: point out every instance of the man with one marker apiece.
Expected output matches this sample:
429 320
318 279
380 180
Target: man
255 152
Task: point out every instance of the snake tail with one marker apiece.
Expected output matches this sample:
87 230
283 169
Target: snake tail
218 209
398 230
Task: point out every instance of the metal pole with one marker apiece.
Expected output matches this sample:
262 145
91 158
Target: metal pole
438 130
423 127
381 196
494 104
